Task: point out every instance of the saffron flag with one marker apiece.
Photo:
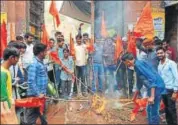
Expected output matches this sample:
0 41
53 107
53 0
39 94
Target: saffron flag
104 32
72 49
31 102
54 12
3 38
131 47
145 25
45 37
118 48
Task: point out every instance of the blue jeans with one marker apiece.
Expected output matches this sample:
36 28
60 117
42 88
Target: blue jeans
110 77
57 76
98 74
153 111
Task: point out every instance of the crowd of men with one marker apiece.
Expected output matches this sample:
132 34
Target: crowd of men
96 72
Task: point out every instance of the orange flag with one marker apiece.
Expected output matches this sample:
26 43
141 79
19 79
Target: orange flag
131 47
45 37
145 23
72 50
54 12
3 38
104 32
118 48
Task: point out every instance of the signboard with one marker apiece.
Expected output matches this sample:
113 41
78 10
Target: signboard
170 2
158 15
3 17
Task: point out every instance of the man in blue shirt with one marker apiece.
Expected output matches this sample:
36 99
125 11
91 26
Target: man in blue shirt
37 82
168 71
152 81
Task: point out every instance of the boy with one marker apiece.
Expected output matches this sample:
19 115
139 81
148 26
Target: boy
66 78
11 57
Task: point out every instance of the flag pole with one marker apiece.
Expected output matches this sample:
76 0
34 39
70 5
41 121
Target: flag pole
54 23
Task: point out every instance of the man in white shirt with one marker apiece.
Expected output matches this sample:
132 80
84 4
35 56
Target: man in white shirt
80 54
167 69
27 57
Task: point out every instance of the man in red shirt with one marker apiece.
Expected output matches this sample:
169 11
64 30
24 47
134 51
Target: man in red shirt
171 54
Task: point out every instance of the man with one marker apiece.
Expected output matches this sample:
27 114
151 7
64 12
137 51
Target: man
28 55
37 82
98 73
80 54
168 71
153 82
60 47
48 61
19 39
170 52
109 65
58 35
148 47
11 57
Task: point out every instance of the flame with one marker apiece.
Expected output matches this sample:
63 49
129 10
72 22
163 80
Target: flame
98 104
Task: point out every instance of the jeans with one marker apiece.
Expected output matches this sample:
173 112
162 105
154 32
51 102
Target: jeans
153 109
66 88
98 74
170 108
81 74
57 76
110 78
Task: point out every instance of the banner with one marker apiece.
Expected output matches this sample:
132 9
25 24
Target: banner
158 15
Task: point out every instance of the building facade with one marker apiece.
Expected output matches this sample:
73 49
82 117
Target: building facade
22 17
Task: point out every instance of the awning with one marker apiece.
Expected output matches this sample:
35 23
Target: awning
79 10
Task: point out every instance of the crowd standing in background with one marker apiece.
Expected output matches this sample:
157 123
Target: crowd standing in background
153 71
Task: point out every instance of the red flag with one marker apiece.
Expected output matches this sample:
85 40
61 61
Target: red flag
118 48
3 38
45 37
131 47
31 102
72 49
104 32
145 23
54 12
142 103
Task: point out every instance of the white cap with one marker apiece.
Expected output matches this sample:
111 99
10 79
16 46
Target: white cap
124 38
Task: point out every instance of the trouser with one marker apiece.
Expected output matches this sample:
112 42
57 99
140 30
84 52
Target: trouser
32 114
98 74
153 111
66 88
51 76
110 78
57 76
130 79
121 77
81 73
170 108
